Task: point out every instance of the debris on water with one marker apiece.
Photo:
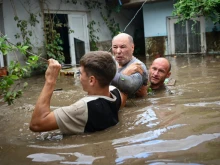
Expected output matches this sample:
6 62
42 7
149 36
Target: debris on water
58 89
169 81
49 136
169 91
27 107
166 80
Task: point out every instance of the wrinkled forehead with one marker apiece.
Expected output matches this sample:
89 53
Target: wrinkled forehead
120 40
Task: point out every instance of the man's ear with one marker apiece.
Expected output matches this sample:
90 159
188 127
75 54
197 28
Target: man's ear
133 47
168 75
92 80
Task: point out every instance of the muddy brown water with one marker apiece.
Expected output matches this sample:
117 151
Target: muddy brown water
177 126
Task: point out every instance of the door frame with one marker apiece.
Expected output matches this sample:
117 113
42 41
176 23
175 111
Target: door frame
171 39
72 35
85 29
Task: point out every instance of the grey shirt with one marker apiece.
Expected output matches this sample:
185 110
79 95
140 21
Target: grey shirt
130 84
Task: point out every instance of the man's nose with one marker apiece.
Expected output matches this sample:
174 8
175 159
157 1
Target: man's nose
118 50
156 72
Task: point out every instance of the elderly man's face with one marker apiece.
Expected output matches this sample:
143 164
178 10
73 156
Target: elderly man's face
122 49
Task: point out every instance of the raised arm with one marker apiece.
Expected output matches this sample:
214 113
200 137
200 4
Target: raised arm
42 118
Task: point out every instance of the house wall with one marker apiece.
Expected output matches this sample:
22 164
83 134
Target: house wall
22 7
15 8
156 32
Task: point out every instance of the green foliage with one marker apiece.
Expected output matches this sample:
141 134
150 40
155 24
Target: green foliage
73 1
93 4
10 83
4 47
93 38
33 19
54 48
25 32
188 9
111 24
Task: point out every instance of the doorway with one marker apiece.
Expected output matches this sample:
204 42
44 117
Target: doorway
74 35
79 39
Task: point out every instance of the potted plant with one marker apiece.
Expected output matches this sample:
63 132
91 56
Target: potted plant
3 71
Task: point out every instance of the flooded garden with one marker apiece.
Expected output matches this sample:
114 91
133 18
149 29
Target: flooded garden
178 126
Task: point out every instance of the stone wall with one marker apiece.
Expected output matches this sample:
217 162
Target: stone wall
155 46
104 45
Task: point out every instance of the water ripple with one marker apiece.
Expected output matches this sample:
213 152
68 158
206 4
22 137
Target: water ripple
202 104
148 148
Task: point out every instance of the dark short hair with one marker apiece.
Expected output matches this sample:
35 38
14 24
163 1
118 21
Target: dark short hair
101 65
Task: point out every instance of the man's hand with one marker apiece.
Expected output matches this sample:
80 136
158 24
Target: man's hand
133 68
53 71
142 91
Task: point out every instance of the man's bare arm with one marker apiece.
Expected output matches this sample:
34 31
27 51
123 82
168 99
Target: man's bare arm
42 118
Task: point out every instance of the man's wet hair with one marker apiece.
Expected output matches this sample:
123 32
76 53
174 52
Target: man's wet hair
101 65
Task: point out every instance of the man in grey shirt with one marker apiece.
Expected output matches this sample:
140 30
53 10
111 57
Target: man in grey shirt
131 77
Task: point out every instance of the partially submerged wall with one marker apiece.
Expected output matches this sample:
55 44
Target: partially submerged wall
213 42
155 46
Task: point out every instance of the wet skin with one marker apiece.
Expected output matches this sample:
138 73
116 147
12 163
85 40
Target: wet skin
158 72
122 49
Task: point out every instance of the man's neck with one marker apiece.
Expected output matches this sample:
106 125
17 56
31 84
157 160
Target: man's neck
100 91
156 87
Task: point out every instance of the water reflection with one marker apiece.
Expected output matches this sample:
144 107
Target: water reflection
80 158
41 157
202 104
146 149
147 117
144 136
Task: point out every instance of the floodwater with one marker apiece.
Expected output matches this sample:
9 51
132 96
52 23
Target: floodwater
178 126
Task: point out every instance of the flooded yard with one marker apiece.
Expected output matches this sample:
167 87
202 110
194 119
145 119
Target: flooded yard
178 126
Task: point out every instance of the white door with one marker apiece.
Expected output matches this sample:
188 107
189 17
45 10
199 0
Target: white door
79 39
184 39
